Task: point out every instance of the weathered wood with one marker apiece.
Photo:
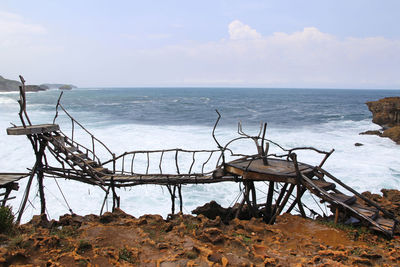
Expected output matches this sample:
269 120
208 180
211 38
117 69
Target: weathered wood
275 168
7 178
370 202
344 198
336 215
283 204
33 129
330 198
268 205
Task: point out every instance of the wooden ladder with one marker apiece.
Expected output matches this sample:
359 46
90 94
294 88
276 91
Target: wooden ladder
359 209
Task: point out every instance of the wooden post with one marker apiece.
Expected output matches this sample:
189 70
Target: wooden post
104 201
26 194
337 215
172 194
268 205
280 197
294 203
246 197
39 159
9 188
253 194
180 198
300 192
282 206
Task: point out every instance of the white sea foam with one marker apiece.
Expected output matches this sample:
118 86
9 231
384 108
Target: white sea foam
370 167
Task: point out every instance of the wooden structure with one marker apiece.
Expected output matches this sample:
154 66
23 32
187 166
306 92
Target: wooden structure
287 178
8 182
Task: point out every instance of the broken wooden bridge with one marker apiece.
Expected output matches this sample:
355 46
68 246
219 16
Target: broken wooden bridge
287 178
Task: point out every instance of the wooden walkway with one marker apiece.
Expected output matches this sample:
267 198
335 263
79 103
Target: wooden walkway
292 178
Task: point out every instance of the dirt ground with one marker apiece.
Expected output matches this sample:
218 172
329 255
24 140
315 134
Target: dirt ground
118 239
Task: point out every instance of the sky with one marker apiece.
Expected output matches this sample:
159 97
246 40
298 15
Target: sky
121 43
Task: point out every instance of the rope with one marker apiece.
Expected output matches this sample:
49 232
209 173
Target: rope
51 193
69 208
318 205
235 199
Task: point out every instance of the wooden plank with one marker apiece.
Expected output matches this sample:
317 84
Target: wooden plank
260 176
344 198
371 213
388 223
275 167
324 185
9 178
33 129
71 149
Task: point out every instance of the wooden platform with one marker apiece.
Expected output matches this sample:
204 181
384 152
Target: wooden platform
6 178
33 129
277 170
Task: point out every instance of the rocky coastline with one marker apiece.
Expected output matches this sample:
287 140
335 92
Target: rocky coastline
7 85
119 239
386 113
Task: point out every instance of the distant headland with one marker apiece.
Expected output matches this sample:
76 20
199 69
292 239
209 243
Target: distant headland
7 85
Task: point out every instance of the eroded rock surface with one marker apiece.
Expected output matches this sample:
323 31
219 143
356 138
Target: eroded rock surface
119 239
386 113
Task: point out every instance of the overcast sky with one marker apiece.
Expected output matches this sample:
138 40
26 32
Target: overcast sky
307 44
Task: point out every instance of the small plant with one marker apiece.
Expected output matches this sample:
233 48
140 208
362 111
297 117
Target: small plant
190 226
84 245
19 242
65 231
6 220
126 255
245 239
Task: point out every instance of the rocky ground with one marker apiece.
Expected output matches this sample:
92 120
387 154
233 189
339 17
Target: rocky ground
184 240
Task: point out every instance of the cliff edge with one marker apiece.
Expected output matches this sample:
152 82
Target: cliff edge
386 113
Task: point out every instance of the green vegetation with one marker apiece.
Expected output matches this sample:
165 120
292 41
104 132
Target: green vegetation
126 255
7 225
65 231
19 242
353 232
190 226
244 238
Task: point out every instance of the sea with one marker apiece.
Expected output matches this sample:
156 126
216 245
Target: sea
128 119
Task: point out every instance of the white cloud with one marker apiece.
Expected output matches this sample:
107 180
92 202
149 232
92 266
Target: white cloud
305 58
14 24
240 31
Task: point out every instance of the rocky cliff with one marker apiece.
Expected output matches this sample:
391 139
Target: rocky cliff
7 85
386 113
118 239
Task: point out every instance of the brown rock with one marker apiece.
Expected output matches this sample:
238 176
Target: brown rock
393 133
362 261
372 133
386 111
213 235
211 210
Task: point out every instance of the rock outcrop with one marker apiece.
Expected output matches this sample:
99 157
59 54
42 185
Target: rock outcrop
119 239
386 113
7 85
